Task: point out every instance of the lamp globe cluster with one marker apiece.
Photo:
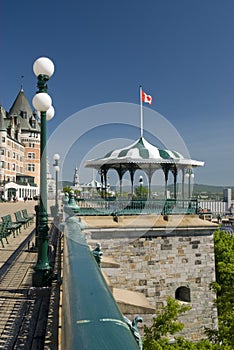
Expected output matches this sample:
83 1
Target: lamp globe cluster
43 68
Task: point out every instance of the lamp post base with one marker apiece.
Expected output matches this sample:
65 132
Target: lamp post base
42 278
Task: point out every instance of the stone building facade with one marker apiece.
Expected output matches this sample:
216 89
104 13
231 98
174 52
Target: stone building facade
164 263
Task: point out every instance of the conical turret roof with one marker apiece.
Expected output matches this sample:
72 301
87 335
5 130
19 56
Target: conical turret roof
22 109
21 104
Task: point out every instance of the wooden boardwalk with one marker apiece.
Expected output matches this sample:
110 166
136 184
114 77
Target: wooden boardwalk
16 266
25 320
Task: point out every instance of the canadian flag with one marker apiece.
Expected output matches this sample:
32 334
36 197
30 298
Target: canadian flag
146 98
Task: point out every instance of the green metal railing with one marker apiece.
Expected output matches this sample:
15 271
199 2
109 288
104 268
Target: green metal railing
90 316
136 207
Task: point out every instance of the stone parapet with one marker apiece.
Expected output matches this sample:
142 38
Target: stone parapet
161 261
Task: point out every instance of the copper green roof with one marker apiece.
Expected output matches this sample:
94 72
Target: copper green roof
142 149
142 153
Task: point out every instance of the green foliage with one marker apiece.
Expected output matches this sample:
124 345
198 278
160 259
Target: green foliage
141 192
224 256
66 189
224 260
77 193
164 324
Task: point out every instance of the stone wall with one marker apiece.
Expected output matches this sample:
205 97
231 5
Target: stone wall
158 263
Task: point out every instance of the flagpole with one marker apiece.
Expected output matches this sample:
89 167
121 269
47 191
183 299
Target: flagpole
141 112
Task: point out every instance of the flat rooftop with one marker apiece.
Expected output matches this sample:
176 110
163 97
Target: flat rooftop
148 221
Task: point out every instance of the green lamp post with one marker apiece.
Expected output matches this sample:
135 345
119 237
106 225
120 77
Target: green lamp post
140 185
190 175
43 68
56 169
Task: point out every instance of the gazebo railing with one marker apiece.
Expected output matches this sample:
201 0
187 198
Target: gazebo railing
118 207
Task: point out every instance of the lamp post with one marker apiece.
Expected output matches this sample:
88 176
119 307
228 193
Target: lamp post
43 68
190 175
141 184
56 169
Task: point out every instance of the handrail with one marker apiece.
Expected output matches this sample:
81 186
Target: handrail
90 206
91 318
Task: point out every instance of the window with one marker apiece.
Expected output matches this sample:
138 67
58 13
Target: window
183 294
3 139
31 155
31 145
31 167
2 152
13 166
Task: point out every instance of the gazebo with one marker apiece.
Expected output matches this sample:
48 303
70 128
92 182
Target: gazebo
142 155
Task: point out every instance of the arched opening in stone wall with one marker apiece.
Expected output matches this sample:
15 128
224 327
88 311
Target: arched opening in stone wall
183 294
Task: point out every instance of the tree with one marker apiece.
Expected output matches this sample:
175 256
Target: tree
163 325
141 192
66 189
77 193
224 264
156 337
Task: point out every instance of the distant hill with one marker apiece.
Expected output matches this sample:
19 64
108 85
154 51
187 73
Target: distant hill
207 191
65 183
197 188
200 188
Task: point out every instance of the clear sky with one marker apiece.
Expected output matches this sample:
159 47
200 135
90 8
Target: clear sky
180 51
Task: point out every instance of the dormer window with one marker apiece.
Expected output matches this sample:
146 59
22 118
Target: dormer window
24 114
32 122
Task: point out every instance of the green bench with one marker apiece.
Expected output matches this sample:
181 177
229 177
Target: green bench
19 219
27 217
3 233
12 227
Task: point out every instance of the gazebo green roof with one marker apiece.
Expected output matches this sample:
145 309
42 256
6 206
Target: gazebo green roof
142 153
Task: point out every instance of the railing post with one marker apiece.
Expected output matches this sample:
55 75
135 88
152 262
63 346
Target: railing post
37 215
97 253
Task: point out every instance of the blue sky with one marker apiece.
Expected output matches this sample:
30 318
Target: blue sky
180 51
